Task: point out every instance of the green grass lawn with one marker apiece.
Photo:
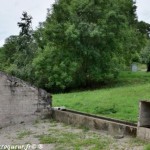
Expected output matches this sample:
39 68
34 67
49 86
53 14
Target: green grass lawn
121 101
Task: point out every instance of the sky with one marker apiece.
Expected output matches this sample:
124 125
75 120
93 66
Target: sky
143 10
11 12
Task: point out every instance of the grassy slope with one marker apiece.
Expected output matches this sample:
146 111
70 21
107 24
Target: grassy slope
119 102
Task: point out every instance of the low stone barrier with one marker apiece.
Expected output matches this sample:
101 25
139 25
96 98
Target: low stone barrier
83 120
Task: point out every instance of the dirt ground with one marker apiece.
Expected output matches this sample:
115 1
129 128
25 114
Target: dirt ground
50 135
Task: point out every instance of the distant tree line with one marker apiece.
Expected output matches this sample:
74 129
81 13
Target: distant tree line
81 43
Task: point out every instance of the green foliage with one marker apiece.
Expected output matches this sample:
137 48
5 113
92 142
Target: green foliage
145 55
53 69
136 57
87 42
144 28
18 51
39 36
147 147
7 52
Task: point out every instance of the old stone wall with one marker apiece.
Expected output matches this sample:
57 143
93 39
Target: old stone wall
19 101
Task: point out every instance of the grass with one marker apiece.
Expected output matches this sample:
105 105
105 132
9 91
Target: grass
77 139
127 78
121 101
147 147
66 139
23 134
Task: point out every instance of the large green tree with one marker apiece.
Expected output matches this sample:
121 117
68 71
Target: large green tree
91 39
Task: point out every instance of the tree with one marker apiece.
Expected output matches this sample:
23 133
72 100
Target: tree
18 51
25 40
54 69
2 59
97 36
17 54
39 36
144 28
7 52
25 24
145 55
26 48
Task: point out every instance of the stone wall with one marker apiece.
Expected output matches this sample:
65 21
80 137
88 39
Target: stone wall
19 101
143 131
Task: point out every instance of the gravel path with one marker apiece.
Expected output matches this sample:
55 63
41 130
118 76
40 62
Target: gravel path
30 133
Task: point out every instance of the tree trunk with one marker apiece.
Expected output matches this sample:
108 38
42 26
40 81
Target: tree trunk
148 67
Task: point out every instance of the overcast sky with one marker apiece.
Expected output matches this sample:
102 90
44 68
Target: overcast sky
11 10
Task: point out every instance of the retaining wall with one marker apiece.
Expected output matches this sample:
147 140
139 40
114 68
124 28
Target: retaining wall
19 101
80 120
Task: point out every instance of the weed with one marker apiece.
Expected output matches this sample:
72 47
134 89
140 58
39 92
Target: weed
147 147
23 134
75 140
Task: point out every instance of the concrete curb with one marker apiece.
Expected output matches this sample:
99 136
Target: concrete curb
80 120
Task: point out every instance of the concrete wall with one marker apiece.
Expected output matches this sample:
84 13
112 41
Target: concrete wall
144 114
19 101
116 129
143 130
143 133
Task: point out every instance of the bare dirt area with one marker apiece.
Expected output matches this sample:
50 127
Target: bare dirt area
50 135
